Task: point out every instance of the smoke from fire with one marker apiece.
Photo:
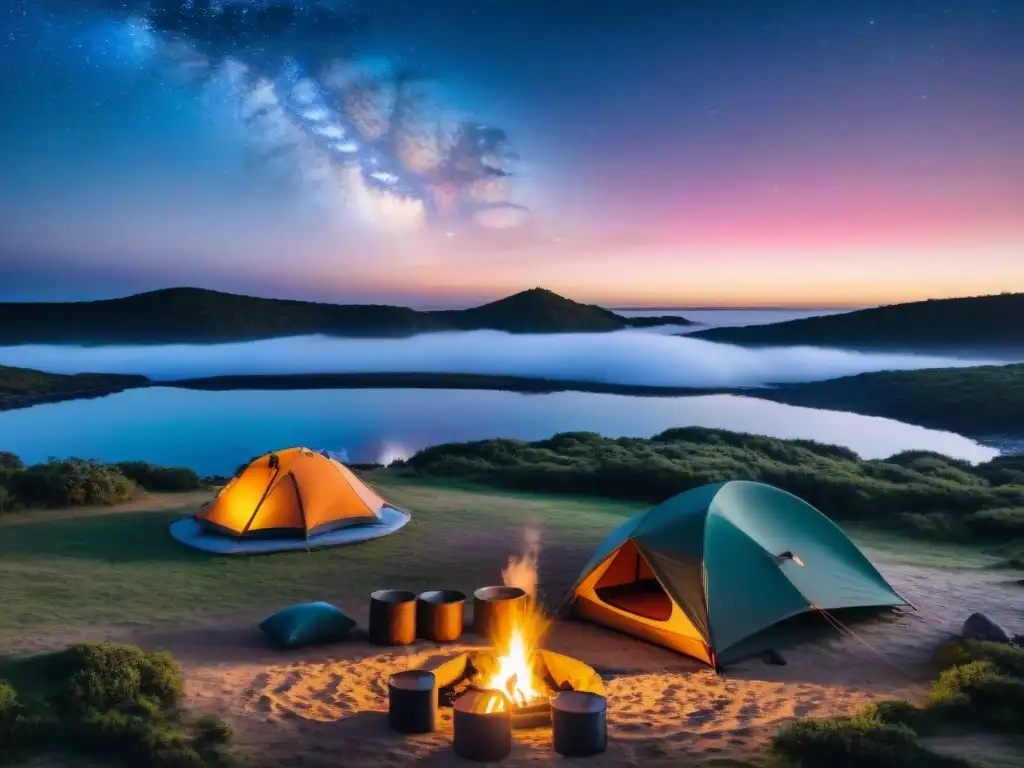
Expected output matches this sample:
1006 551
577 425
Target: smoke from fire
521 571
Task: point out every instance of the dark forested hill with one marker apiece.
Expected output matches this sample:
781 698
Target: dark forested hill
198 315
975 323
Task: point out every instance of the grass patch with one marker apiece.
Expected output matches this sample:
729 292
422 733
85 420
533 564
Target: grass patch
106 700
119 564
113 565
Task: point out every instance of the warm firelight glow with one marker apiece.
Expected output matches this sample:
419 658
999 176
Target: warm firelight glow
515 675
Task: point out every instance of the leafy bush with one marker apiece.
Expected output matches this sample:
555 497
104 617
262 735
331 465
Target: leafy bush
156 478
109 700
897 712
70 482
1007 659
855 742
978 692
210 729
933 525
105 676
1004 522
75 482
919 492
8 701
981 684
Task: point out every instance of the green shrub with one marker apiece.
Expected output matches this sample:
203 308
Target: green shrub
920 492
8 702
210 729
978 692
74 482
1007 659
134 739
156 478
932 525
109 676
1004 522
854 742
108 700
70 482
897 712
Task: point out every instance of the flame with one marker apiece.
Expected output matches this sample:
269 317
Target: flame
515 675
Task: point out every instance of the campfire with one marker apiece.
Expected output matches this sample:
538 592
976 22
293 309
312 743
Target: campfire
515 665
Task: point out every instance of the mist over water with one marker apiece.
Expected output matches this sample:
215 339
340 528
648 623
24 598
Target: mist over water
624 357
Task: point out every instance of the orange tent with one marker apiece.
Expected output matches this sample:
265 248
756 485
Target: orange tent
294 492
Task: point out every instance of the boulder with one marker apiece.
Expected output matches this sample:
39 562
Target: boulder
980 627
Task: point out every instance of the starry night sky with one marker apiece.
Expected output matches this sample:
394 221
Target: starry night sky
435 152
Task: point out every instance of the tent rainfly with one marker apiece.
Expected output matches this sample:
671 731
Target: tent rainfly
707 570
290 499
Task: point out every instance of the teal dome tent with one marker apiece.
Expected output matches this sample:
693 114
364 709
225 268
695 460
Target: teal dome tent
707 570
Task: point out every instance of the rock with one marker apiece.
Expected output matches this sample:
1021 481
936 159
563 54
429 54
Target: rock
980 627
771 656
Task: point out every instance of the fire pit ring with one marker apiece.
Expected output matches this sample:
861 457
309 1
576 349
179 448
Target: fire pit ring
482 726
457 676
495 610
439 615
392 617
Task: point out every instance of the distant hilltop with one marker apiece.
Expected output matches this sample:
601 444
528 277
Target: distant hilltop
197 315
977 324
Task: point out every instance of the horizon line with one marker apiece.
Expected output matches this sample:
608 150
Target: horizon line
744 307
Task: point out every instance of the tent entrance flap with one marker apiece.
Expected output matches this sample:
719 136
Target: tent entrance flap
630 585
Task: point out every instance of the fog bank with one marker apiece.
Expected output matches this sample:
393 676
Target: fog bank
625 357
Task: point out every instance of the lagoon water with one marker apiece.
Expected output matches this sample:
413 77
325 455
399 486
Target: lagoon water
213 432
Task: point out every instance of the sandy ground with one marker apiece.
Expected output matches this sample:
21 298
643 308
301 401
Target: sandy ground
327 707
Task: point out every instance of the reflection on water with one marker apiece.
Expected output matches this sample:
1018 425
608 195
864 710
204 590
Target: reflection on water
215 431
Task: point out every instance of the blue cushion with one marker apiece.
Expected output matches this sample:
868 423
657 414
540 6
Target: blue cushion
307 624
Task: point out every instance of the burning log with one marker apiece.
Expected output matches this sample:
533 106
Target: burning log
550 672
483 726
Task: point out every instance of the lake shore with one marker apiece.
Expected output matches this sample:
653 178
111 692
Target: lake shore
984 403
